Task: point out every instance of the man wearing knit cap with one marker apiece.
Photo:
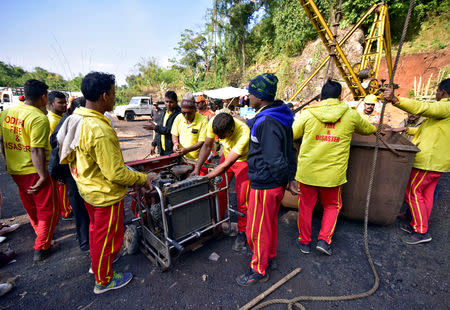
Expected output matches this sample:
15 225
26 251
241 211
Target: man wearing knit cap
271 169
188 129
163 138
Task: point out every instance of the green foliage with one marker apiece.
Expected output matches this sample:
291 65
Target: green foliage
353 10
10 75
293 28
15 76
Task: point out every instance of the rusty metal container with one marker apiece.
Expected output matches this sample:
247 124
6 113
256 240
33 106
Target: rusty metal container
391 178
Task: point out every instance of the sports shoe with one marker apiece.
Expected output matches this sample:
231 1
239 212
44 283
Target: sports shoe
304 248
407 228
251 278
239 242
8 228
323 247
119 280
40 255
416 238
5 288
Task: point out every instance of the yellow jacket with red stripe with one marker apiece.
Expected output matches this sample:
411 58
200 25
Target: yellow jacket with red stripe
98 167
327 129
433 135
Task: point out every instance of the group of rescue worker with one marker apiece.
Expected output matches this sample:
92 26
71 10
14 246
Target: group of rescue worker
261 157
259 154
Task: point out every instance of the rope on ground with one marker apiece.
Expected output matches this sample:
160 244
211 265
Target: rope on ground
295 301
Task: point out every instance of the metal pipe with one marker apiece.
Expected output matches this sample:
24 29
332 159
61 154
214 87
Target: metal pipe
163 213
171 208
197 234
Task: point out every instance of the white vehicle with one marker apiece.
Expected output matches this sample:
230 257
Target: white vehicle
138 106
9 97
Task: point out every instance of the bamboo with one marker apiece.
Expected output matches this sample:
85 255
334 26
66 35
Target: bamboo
427 88
420 83
415 87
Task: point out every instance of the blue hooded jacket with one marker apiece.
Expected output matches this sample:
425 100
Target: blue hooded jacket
271 158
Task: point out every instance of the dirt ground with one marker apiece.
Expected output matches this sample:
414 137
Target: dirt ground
411 277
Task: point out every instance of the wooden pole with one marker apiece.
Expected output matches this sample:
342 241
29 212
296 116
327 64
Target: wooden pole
266 293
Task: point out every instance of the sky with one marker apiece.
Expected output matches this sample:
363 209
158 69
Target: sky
78 36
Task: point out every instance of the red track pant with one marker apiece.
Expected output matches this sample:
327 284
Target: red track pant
419 196
331 200
262 225
240 171
42 208
64 200
105 238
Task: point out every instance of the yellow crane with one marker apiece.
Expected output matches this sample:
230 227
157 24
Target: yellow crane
378 40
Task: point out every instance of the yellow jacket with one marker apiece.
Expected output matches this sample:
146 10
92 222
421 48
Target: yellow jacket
53 119
327 129
433 135
98 167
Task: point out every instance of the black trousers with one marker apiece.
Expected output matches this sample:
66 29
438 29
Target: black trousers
79 211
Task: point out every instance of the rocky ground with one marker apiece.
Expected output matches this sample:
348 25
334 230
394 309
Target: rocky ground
412 277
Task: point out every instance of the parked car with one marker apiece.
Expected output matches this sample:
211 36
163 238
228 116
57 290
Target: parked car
138 106
9 97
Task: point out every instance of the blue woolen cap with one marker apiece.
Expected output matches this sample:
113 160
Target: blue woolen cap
264 86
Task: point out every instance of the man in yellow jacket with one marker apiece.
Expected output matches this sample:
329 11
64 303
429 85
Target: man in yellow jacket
100 173
327 129
432 138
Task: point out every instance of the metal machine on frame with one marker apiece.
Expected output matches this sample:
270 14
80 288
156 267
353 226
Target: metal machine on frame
178 211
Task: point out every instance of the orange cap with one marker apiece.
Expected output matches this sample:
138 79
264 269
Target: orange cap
200 98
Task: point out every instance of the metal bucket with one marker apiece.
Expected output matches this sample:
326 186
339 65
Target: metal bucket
391 178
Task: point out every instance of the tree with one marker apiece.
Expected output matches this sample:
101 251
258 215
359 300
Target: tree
192 48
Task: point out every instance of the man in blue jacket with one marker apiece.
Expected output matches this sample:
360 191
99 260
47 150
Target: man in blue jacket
271 168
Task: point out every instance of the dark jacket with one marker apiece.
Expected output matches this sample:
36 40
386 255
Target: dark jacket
157 114
55 169
163 132
271 157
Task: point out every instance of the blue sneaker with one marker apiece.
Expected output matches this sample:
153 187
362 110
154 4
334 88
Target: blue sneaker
251 278
119 280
